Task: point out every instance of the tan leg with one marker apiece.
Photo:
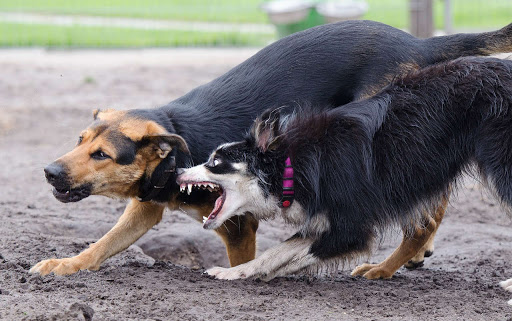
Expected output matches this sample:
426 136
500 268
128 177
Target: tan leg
407 249
239 236
427 249
136 220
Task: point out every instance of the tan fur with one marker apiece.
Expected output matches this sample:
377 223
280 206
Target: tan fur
239 236
402 69
409 247
136 220
110 179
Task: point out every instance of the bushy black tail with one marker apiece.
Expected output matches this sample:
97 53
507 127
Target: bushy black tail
470 44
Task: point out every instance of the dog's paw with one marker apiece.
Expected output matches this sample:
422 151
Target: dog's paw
233 273
64 266
372 271
507 285
412 265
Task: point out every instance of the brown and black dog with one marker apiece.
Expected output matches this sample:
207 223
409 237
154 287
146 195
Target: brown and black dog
133 154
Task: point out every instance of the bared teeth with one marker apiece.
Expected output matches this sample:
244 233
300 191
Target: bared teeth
187 187
205 219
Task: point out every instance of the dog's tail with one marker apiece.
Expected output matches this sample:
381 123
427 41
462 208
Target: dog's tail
470 44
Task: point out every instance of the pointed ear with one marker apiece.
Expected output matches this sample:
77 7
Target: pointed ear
266 130
164 143
95 113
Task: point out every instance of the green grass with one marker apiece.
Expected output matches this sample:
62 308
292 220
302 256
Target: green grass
468 14
198 10
23 35
476 14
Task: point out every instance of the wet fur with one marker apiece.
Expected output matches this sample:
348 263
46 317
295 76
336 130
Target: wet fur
378 162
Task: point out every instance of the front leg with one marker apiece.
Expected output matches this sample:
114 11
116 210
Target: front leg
239 236
136 220
288 257
507 285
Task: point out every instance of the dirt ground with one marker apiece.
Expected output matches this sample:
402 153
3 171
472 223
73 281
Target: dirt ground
46 98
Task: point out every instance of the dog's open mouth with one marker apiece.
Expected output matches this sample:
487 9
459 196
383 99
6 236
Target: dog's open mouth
216 191
67 194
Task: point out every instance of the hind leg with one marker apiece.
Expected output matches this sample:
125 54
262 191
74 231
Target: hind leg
409 247
428 249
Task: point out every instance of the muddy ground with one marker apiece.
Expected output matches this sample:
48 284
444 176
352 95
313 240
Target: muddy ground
46 98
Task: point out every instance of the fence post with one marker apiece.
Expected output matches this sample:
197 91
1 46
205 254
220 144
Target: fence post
421 18
448 18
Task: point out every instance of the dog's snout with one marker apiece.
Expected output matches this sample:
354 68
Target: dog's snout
54 172
180 171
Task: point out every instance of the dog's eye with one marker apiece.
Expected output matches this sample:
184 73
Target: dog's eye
80 139
99 155
213 163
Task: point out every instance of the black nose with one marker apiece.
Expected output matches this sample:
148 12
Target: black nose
54 172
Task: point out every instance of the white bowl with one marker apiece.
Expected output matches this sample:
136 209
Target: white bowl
334 11
287 11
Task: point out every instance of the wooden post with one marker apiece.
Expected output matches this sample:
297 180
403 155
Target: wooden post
422 22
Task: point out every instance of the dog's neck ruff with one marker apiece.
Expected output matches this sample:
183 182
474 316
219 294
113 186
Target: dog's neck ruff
288 191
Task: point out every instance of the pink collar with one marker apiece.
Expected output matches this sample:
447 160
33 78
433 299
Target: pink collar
288 191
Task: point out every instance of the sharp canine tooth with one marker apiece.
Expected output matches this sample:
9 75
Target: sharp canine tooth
189 190
205 219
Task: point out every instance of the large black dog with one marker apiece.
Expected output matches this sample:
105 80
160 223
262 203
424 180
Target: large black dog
358 169
128 154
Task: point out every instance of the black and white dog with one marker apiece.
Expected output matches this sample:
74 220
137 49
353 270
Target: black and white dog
359 169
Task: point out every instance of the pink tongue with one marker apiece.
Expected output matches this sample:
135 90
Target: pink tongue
218 203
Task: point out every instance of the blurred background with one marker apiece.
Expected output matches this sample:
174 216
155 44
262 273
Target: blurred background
199 23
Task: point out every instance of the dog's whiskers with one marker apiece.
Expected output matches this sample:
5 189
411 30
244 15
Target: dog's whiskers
226 227
182 210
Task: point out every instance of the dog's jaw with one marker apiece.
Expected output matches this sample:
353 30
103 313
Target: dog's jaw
70 195
230 201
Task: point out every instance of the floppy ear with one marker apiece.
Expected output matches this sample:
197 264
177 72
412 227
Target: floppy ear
165 142
266 131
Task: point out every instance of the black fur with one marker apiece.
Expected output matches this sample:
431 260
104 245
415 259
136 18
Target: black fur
380 161
125 148
331 65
